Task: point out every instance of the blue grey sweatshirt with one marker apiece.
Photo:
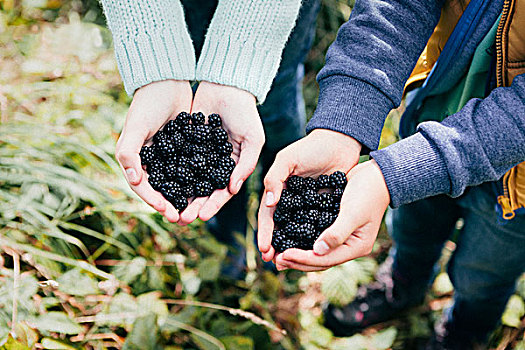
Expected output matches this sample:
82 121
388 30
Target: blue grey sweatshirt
363 79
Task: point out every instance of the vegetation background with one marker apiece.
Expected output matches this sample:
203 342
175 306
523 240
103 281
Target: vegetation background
84 264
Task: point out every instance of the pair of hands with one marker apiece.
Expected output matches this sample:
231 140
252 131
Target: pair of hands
363 204
155 104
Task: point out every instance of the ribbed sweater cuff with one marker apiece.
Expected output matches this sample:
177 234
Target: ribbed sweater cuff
161 55
413 169
352 107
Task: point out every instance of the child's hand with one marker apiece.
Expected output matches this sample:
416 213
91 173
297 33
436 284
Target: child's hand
353 233
321 152
153 105
241 120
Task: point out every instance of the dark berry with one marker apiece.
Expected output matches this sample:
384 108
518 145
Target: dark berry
184 176
219 178
338 193
290 230
203 189
156 179
326 202
310 184
323 181
325 220
179 202
147 155
183 119
336 207
178 140
171 127
225 163
285 204
338 180
160 135
295 184
198 118
214 120
170 171
311 199
281 218
212 158
171 161
305 232
187 191
297 202
170 189
183 161
306 216
277 240
288 243
218 136
156 166
224 149
165 148
200 149
188 132
286 193
201 133
198 162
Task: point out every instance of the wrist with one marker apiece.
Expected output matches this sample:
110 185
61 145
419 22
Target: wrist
345 143
227 93
376 175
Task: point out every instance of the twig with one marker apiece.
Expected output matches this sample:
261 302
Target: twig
236 312
16 278
198 333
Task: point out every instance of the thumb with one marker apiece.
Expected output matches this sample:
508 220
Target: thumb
275 178
335 235
127 154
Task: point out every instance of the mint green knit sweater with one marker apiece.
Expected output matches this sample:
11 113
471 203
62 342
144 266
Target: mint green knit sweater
242 48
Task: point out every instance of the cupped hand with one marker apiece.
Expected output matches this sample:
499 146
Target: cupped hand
241 120
353 233
320 152
152 106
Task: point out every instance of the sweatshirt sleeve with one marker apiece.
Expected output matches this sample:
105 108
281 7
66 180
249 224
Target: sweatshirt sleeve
368 64
244 43
478 144
151 41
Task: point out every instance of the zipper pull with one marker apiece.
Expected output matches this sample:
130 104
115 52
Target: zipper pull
506 207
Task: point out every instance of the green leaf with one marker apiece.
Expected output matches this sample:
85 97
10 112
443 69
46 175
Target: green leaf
514 311
384 339
26 334
190 282
129 272
338 285
237 343
75 282
12 344
58 322
209 269
144 334
151 303
122 310
49 343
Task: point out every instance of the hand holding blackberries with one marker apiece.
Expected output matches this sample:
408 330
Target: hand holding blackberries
243 126
321 152
353 233
152 106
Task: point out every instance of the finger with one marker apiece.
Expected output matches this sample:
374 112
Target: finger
248 158
127 153
354 248
290 264
265 228
171 214
335 235
275 178
191 213
214 204
149 195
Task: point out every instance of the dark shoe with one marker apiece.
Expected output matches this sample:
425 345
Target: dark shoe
377 302
445 338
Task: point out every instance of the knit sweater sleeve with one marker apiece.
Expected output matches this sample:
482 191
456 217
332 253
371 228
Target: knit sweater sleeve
244 43
151 41
368 64
478 144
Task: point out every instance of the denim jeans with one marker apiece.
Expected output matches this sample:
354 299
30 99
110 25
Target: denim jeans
282 114
488 259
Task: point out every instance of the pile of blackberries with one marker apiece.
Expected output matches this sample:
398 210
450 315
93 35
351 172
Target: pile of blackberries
189 158
306 208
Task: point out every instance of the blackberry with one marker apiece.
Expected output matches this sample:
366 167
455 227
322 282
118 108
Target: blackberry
295 184
219 178
290 230
170 171
170 189
198 118
304 216
281 218
188 132
171 161
218 136
183 119
212 158
198 162
183 161
287 243
187 191
156 179
179 202
338 179
156 166
310 184
184 176
336 208
277 240
311 199
325 220
171 127
165 148
178 140
224 149
323 181
203 189
286 193
200 149
297 202
305 232
160 135
214 120
338 194
226 163
147 155
188 150
326 202
285 204
201 133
